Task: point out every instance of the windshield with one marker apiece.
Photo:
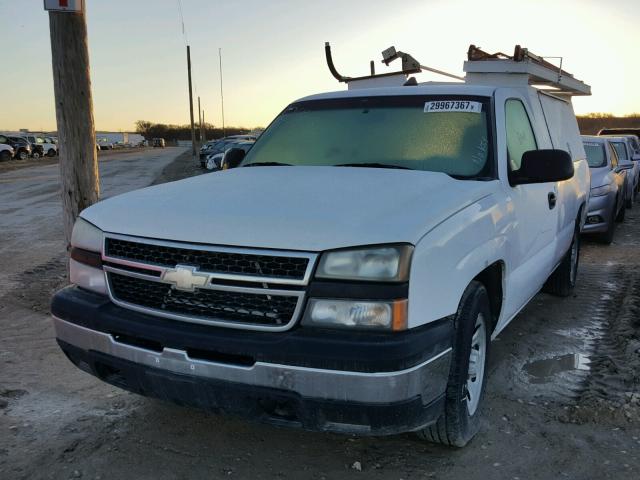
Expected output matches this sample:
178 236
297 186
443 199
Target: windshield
620 150
439 134
596 156
634 144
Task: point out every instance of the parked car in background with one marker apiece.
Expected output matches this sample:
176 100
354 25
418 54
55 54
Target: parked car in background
608 184
104 143
619 132
48 148
221 145
628 157
206 149
158 142
6 150
21 146
234 154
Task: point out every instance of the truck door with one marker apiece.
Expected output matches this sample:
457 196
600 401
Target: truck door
533 207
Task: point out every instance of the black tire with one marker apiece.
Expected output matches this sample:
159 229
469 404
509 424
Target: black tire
36 155
621 214
23 155
628 203
5 156
457 425
562 281
607 237
51 152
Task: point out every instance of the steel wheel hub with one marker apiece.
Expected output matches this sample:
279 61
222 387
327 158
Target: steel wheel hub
477 355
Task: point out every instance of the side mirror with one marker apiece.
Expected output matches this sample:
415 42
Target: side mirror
233 158
542 166
635 157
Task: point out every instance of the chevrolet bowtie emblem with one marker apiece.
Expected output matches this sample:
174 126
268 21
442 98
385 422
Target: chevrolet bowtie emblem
185 277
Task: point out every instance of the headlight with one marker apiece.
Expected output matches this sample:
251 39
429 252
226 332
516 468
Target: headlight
387 315
85 266
600 191
86 236
381 264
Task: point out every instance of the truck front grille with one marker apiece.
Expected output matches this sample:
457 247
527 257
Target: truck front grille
224 262
244 288
206 304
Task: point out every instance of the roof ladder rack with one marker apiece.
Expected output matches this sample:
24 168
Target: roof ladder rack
534 68
409 65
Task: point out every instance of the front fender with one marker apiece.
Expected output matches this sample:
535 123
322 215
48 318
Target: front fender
451 255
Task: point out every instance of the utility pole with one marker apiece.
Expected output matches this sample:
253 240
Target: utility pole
221 92
78 161
193 132
204 128
199 121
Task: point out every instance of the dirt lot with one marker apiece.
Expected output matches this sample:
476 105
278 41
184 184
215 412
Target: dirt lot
563 395
15 164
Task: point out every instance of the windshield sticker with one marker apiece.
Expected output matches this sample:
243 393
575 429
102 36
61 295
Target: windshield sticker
452 106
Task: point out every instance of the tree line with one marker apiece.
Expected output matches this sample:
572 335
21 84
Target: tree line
591 123
171 133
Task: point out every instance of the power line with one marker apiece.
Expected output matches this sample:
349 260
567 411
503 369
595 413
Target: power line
221 91
184 31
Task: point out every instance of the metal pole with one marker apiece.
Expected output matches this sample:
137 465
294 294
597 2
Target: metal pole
221 92
193 132
204 128
79 175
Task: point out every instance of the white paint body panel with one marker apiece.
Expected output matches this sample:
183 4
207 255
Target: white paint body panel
458 227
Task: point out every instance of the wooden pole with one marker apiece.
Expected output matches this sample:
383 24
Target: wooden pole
193 132
78 161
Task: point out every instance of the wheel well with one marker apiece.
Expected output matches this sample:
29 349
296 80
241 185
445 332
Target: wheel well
491 278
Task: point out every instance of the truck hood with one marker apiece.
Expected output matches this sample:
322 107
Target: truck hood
292 208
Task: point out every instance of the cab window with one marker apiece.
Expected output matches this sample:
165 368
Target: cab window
621 150
520 137
614 157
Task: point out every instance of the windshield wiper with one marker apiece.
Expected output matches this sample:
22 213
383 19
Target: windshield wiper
373 165
268 164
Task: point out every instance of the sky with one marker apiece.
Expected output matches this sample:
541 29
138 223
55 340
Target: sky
273 52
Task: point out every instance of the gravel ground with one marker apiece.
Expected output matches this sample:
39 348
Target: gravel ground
563 398
16 164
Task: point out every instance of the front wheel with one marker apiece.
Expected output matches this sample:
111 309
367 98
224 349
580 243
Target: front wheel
5 156
467 375
621 214
23 155
36 155
562 281
51 152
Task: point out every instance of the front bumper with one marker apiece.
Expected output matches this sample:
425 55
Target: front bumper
603 207
345 395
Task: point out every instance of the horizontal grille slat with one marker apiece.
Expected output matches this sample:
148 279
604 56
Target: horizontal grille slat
246 308
274 266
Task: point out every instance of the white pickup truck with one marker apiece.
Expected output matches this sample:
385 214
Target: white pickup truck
350 274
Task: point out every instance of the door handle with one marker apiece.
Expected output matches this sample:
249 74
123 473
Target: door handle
552 200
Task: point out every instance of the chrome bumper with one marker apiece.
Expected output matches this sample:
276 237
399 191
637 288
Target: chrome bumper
428 379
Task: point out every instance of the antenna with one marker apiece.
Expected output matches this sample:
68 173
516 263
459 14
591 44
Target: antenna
221 92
